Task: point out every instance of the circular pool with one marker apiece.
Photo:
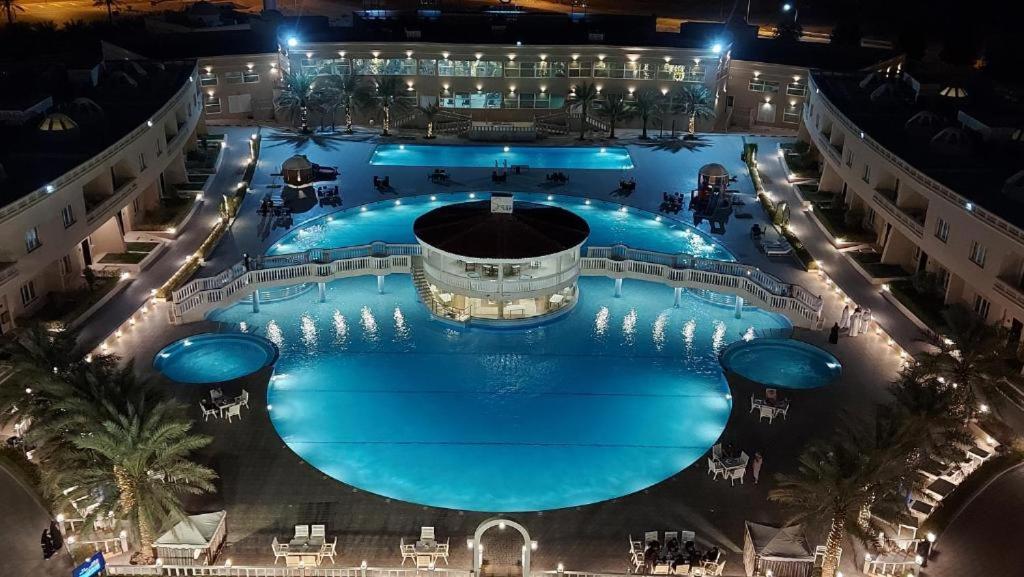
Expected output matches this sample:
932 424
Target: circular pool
214 358
783 363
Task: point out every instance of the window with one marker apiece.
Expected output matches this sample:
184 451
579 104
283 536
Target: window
796 89
866 177
213 105
870 218
981 306
67 216
978 253
233 77
577 68
696 73
791 114
758 85
601 69
676 72
512 69
470 100
65 265
32 239
428 67
849 157
142 161
28 292
208 79
942 230
384 66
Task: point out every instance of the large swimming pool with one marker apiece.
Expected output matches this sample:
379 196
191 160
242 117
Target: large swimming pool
616 396
609 399
541 157
609 224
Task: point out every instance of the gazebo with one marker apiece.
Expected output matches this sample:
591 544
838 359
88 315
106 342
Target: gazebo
297 171
782 550
196 540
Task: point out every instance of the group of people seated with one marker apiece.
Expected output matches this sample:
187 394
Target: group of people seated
678 554
557 177
627 185
671 203
499 177
439 175
382 183
328 195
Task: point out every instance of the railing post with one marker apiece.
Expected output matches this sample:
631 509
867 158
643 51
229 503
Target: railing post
380 284
739 307
322 288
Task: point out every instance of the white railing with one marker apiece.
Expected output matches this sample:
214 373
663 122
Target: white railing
683 270
495 287
278 571
192 301
113 150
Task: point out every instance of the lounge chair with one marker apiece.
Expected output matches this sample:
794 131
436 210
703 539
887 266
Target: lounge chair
650 537
776 247
426 533
408 551
318 531
243 399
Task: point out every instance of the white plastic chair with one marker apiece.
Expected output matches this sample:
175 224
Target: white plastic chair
318 531
424 561
329 549
215 394
716 451
767 413
208 412
782 409
734 474
771 394
650 536
407 551
713 469
426 533
233 411
442 550
754 403
279 549
243 399
301 532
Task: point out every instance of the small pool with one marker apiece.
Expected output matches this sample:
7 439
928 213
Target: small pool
542 157
214 358
783 363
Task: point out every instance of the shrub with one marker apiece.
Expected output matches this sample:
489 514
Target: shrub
801 147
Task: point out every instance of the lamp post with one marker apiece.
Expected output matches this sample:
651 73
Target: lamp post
791 6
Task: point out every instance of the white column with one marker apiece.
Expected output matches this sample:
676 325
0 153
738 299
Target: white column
618 287
380 284
739 307
677 297
256 301
322 287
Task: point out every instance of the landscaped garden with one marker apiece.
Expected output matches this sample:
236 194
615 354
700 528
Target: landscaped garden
168 214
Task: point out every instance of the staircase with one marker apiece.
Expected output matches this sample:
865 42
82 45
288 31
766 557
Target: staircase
402 121
592 123
420 282
555 123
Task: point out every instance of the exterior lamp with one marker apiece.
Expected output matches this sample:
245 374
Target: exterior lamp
293 42
716 48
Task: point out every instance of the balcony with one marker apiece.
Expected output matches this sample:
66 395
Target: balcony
911 218
7 271
1011 289
888 193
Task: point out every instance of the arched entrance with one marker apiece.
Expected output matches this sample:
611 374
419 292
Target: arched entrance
506 555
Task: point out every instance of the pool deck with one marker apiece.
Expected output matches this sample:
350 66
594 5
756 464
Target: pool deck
267 489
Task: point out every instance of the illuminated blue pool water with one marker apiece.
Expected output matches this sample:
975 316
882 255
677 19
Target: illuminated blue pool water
214 358
619 394
784 363
539 157
386 221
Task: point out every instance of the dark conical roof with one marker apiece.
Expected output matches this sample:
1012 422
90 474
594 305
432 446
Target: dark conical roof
531 230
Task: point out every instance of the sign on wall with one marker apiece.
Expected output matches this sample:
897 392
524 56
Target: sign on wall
92 567
501 203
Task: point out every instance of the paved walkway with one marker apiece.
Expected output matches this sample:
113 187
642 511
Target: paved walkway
24 519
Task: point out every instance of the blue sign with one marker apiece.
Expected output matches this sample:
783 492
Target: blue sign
92 567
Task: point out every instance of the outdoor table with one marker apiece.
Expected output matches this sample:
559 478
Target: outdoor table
731 463
941 488
305 546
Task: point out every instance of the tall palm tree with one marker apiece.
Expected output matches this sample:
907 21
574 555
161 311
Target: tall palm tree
972 354
842 478
109 5
932 411
383 95
583 97
137 461
10 8
342 89
697 103
615 109
430 112
647 104
294 99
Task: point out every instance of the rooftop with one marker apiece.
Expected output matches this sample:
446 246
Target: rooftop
973 159
471 229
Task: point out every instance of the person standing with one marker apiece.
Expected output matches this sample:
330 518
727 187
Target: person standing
844 319
47 544
755 466
833 335
855 322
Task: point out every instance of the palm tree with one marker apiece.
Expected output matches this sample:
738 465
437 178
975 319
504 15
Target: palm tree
932 411
295 96
583 97
342 89
841 479
615 108
788 30
647 105
383 94
696 102
430 112
110 5
972 354
10 7
137 461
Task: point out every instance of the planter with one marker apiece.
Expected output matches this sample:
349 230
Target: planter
907 313
120 286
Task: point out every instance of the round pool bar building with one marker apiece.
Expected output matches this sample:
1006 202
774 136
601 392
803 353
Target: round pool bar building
499 261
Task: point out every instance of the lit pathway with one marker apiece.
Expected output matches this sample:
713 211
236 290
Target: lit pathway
24 519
